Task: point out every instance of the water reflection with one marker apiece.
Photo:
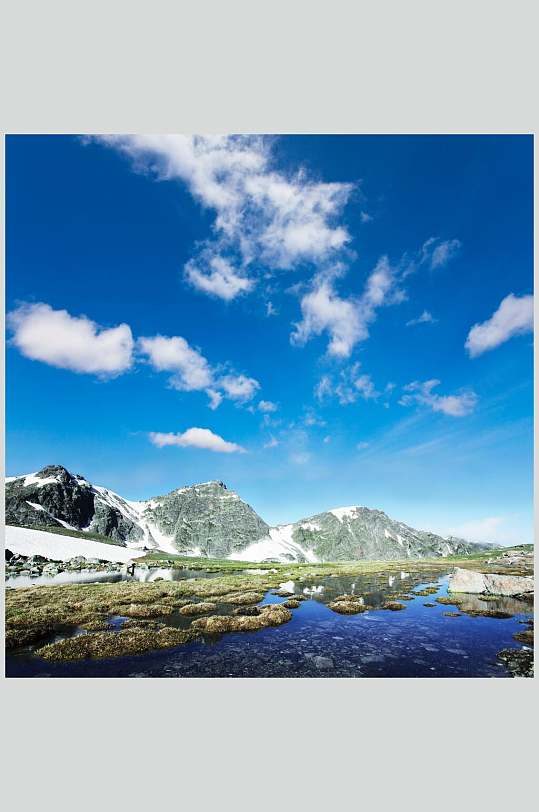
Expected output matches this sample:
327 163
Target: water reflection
143 574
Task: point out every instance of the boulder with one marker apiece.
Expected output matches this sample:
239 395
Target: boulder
463 580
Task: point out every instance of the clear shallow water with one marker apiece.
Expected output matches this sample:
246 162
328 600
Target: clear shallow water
415 642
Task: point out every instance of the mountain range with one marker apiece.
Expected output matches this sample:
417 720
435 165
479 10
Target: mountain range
210 520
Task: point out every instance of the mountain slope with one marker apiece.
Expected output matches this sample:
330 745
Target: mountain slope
210 520
350 533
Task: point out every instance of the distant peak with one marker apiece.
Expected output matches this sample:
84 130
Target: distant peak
53 470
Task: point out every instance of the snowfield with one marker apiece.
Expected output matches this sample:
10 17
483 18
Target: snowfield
22 541
277 545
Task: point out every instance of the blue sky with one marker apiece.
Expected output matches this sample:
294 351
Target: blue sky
346 318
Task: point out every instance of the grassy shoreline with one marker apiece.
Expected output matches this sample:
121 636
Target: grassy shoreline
37 612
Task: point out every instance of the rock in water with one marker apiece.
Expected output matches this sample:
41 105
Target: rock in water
463 580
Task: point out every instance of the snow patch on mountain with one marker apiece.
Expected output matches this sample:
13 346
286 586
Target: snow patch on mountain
345 512
277 545
23 541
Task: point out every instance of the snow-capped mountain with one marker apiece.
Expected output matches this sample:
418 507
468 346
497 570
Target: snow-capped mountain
349 533
205 519
211 520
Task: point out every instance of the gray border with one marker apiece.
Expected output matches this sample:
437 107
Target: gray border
258 67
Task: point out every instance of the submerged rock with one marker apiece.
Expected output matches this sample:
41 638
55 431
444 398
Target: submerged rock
393 606
519 661
463 580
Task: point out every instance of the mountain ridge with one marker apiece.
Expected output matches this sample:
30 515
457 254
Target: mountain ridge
209 519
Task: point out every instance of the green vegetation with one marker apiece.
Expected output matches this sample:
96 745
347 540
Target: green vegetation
452 601
118 644
351 606
498 613
525 637
400 596
273 614
198 608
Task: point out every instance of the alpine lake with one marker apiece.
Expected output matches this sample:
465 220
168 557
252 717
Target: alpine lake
177 617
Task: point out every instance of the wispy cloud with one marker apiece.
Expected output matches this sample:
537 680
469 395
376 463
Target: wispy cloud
349 386
457 405
192 371
267 406
424 318
513 317
437 253
197 438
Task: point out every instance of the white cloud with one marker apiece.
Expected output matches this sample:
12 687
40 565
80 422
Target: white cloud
216 398
192 372
362 446
197 438
267 406
327 439
263 217
272 443
513 317
365 217
70 342
323 309
346 320
220 280
270 309
424 318
458 405
239 387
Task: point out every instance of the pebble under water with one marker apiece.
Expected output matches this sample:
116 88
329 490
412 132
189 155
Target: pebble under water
419 641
